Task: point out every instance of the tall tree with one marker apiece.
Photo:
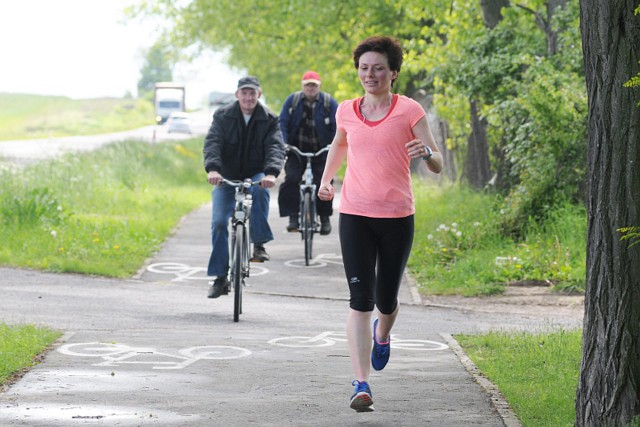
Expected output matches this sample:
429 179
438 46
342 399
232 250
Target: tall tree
157 67
609 388
477 170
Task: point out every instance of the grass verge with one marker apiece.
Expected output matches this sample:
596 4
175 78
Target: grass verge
35 116
536 373
20 347
102 212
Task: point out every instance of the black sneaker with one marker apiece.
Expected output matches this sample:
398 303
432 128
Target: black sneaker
220 287
259 253
294 224
325 225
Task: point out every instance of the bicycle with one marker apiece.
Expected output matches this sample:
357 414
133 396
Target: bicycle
239 252
308 217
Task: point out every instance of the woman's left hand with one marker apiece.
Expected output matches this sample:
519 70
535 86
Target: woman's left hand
416 149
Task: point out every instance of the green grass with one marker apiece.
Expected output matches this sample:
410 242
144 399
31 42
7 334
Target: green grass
537 373
35 116
459 250
20 345
102 212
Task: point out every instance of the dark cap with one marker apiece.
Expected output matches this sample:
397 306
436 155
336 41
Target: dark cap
249 82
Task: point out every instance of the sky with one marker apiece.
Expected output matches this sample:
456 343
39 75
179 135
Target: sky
82 49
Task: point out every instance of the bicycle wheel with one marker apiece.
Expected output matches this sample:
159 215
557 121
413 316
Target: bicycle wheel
238 254
307 228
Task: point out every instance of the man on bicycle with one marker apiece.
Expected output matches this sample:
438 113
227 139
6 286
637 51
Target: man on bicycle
244 141
307 121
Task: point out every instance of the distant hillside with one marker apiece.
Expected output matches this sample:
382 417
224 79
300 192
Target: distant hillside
24 116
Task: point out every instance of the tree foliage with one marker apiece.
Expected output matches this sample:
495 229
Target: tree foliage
533 102
157 67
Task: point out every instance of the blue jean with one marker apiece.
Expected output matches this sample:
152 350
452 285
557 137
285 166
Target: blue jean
223 202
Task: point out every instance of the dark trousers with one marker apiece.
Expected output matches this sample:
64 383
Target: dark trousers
375 252
289 192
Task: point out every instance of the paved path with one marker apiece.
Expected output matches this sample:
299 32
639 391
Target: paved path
153 350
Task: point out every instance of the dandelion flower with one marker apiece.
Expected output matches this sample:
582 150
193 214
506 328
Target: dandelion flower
54 233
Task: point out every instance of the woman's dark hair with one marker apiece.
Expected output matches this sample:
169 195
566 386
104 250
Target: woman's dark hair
387 46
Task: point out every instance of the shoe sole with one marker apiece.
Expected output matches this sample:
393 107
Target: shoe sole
259 259
218 296
362 402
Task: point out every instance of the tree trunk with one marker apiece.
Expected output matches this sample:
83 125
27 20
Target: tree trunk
477 167
545 23
439 129
491 11
609 386
552 35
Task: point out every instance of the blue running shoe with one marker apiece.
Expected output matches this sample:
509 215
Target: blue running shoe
380 352
361 400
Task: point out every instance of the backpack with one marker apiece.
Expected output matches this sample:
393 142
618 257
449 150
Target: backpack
327 105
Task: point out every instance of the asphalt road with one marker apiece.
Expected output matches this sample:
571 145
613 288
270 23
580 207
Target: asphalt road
153 350
21 152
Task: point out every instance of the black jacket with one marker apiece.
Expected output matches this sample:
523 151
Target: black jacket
239 151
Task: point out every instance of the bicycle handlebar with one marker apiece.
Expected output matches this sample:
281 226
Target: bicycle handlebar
316 154
237 183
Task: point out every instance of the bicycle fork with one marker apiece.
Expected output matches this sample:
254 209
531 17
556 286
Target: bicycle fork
311 190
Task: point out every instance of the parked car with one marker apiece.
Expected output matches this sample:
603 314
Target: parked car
179 122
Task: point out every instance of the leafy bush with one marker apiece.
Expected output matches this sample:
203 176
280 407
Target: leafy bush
35 206
459 248
544 130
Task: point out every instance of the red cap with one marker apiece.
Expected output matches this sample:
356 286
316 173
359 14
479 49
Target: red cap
311 77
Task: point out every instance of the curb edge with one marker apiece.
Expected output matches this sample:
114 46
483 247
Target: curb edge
498 402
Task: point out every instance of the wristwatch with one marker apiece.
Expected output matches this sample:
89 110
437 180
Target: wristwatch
429 153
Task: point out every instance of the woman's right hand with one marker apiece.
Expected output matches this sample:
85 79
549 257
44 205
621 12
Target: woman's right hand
326 192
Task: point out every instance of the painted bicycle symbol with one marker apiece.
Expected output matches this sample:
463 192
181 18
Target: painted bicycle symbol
330 338
121 354
184 272
322 260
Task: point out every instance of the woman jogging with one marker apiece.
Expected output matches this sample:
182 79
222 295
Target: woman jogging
379 133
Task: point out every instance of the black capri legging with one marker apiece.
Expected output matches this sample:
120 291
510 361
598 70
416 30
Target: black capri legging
375 252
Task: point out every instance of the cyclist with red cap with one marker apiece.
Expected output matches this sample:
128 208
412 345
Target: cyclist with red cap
307 121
